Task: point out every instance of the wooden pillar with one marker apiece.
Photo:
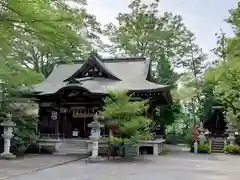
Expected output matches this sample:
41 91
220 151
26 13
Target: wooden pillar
39 120
57 124
151 110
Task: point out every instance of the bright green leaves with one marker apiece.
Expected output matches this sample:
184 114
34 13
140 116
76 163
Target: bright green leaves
128 114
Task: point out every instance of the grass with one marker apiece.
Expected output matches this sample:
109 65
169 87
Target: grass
164 152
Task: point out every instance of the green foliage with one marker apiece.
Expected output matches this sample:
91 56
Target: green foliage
222 43
39 33
26 123
164 39
144 32
204 148
189 138
226 80
129 115
232 149
222 80
41 19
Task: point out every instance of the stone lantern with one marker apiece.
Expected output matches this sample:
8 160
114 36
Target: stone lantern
8 126
201 136
95 136
231 136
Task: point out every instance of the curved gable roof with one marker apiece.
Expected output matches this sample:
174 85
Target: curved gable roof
94 59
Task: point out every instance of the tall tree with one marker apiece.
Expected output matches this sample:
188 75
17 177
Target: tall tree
51 32
221 50
224 76
144 32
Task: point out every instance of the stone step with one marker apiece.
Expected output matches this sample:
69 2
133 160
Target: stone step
73 146
75 143
72 151
218 140
217 149
213 144
220 145
221 142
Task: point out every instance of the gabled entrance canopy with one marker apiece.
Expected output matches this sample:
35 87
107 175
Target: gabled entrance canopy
93 67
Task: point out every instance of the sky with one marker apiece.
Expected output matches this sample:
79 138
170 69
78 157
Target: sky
203 17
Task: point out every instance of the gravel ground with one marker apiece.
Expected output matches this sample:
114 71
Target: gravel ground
176 165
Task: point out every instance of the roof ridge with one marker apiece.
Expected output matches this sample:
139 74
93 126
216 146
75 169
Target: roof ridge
106 60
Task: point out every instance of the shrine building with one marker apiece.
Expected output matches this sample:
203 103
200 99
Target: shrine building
70 96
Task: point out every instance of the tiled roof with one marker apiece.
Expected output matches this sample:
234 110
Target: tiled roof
131 72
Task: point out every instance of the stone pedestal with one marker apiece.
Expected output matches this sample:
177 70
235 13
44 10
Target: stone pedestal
95 137
8 126
231 138
202 138
195 146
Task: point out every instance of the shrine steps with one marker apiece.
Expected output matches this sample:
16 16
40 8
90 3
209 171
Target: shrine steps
73 146
217 145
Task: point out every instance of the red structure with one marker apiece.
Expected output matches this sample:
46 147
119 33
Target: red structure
196 133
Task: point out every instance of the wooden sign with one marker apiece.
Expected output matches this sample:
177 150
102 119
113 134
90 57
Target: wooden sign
82 112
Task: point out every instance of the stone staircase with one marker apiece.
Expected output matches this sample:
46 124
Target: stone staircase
217 145
73 146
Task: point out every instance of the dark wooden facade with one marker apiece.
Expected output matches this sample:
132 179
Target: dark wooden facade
68 100
216 123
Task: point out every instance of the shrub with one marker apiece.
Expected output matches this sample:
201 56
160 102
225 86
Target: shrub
202 149
232 149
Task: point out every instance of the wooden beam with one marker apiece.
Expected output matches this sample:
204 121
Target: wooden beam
81 103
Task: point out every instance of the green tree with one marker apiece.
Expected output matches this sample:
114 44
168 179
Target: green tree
224 77
194 65
129 115
221 50
143 32
38 41
41 19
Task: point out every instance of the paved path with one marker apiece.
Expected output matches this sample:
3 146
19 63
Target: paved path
174 166
32 163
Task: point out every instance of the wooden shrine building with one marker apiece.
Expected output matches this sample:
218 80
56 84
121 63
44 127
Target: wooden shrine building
72 93
216 122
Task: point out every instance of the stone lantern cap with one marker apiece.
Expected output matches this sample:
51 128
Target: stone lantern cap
8 124
98 117
95 124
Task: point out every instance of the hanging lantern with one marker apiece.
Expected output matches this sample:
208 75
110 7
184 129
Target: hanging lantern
54 115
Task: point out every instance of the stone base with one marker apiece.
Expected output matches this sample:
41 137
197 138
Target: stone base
7 156
94 159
